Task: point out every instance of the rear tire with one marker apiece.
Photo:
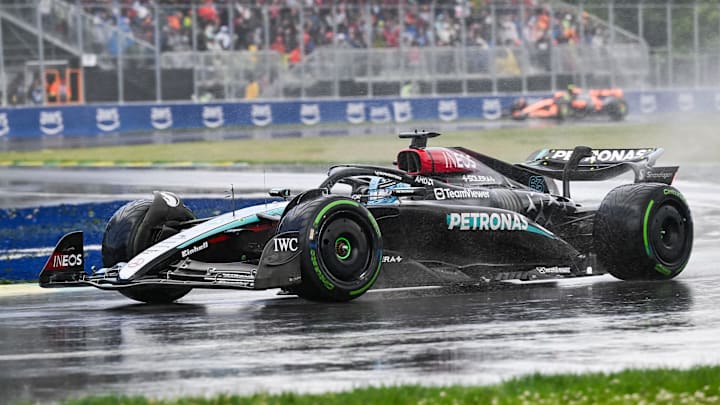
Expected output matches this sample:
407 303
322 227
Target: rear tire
643 232
120 244
617 110
341 248
563 110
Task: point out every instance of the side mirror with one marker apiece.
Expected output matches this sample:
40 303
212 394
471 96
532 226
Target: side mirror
283 193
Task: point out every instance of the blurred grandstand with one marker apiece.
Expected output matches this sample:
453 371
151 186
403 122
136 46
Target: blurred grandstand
140 50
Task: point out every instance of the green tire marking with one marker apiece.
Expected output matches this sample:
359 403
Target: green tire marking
648 251
377 270
321 276
313 257
374 224
663 270
346 255
371 282
331 205
669 191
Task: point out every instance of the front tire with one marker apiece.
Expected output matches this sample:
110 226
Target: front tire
151 294
341 248
123 240
516 109
643 232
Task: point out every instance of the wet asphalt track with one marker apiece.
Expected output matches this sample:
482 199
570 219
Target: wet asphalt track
77 342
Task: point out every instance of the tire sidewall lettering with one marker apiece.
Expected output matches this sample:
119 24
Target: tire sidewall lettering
627 227
314 237
662 196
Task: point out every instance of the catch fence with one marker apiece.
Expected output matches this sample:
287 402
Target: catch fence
118 53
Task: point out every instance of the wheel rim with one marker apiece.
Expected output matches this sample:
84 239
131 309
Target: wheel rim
669 232
345 248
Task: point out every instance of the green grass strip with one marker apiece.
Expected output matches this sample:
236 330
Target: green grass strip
699 385
685 139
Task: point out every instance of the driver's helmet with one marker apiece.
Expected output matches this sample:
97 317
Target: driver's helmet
382 194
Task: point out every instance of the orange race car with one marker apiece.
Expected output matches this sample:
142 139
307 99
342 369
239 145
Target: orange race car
573 103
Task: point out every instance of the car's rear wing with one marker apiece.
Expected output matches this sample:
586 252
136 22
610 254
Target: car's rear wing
603 164
599 158
584 163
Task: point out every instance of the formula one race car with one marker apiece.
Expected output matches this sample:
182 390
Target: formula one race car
443 216
574 103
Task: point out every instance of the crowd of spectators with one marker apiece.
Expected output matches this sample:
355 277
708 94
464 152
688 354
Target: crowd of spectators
240 24
295 28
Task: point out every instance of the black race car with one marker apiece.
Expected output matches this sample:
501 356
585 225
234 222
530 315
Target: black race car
442 216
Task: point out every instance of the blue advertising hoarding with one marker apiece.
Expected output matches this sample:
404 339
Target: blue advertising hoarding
98 120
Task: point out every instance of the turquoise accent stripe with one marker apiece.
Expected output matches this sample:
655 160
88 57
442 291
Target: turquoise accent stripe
536 230
234 224
530 228
542 154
